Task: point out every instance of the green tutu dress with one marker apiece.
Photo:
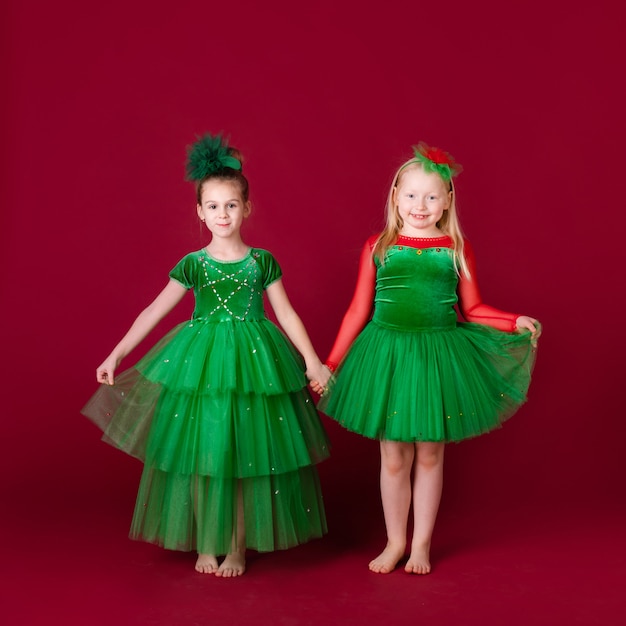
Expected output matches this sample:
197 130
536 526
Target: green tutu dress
220 407
416 373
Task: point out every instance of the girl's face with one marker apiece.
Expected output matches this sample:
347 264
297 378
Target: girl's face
223 208
421 198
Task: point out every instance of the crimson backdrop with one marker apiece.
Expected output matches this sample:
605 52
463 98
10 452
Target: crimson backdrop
324 100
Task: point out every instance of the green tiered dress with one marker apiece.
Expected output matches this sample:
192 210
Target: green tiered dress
416 373
220 406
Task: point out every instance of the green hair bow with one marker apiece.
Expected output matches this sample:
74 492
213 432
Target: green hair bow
209 155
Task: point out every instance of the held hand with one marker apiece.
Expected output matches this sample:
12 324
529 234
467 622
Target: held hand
104 374
319 377
523 322
317 388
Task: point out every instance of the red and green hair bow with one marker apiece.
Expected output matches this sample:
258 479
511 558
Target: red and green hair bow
437 161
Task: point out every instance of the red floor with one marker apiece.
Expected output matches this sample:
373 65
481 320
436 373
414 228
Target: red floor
67 560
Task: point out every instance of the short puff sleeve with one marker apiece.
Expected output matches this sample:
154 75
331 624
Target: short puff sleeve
270 269
183 271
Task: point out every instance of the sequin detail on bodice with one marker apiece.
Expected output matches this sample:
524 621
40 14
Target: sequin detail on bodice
227 290
229 286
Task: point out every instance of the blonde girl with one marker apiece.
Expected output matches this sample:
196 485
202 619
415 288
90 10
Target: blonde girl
407 371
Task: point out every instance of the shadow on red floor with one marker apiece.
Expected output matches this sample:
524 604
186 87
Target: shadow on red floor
67 560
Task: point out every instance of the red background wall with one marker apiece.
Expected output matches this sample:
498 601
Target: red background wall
324 100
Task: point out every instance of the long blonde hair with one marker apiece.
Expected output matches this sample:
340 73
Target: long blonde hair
448 224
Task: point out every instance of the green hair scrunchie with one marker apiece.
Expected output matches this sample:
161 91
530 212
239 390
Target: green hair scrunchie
436 161
209 155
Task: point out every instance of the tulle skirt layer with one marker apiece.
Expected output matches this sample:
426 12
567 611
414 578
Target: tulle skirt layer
433 385
201 356
220 414
192 512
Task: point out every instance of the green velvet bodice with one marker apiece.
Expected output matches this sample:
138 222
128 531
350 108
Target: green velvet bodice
416 289
227 290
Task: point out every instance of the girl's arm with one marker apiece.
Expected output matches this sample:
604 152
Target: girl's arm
171 295
475 310
360 309
295 330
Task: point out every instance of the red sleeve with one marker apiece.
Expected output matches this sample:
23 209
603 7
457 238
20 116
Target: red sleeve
360 309
471 304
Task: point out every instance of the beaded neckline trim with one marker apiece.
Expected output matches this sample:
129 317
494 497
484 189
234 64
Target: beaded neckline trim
210 256
424 238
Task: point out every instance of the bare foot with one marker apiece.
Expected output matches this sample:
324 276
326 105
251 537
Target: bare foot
387 560
206 564
233 565
419 561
